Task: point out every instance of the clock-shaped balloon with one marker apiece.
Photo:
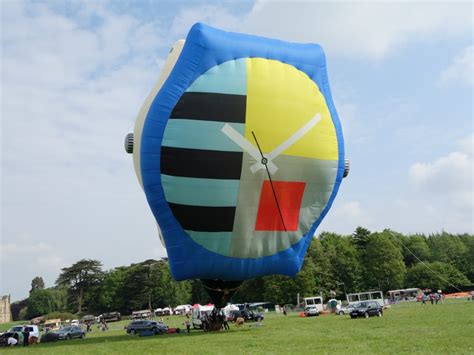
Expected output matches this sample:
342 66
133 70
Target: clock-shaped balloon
240 153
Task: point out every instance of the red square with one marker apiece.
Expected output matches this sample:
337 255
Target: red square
289 195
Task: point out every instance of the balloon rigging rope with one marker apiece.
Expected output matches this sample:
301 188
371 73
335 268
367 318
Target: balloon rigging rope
426 265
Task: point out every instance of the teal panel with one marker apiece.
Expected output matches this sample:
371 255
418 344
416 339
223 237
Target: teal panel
196 134
218 242
200 192
228 78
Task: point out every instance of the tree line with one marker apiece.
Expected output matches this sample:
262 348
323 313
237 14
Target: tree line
334 264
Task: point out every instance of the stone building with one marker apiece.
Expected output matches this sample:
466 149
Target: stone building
5 312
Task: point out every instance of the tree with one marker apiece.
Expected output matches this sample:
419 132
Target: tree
343 263
45 301
38 303
448 248
383 263
360 237
468 257
81 279
417 245
37 284
437 276
324 279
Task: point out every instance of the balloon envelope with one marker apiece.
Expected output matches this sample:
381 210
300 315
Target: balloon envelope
241 155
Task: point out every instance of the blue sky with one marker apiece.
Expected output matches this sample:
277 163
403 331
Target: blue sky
74 76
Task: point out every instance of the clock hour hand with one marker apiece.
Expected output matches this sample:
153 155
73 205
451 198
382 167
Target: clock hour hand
289 142
243 143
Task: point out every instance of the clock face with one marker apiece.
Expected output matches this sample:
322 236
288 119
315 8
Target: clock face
212 174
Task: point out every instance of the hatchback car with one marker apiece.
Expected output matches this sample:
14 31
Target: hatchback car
145 325
345 310
68 333
367 309
311 311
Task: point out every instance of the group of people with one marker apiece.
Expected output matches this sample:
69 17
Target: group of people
13 340
434 297
213 318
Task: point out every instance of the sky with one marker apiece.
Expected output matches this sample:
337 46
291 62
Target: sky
74 75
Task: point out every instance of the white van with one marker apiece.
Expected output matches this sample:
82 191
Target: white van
199 313
314 301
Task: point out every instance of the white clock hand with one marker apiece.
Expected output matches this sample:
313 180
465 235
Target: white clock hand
243 143
289 142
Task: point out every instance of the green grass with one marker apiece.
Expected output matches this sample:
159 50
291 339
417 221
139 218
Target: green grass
406 328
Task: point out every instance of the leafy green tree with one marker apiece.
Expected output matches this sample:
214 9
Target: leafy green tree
343 263
448 248
383 263
250 291
81 280
435 275
37 284
110 295
360 237
38 303
45 301
199 294
323 273
167 291
418 249
468 258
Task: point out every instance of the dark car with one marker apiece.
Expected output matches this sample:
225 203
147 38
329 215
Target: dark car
367 309
70 332
247 315
145 325
49 337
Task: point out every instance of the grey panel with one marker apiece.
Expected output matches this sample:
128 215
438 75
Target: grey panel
319 176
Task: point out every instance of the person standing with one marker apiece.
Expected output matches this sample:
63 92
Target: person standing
423 299
188 324
26 336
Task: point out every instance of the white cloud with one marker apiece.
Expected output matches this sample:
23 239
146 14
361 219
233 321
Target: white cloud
362 29
345 216
449 179
461 71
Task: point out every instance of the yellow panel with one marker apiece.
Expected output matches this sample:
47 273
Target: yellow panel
280 100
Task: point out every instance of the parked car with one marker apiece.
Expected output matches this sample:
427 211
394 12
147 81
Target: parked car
367 309
247 315
75 322
311 311
345 310
111 316
145 325
32 329
49 337
144 314
70 332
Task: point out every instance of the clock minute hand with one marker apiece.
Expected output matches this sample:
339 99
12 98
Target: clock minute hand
290 141
243 143
265 163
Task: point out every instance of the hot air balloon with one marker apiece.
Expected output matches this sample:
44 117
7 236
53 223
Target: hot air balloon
240 153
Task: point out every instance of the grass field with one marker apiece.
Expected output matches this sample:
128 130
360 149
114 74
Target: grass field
405 328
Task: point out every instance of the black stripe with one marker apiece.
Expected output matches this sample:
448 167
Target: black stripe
204 219
200 163
210 107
